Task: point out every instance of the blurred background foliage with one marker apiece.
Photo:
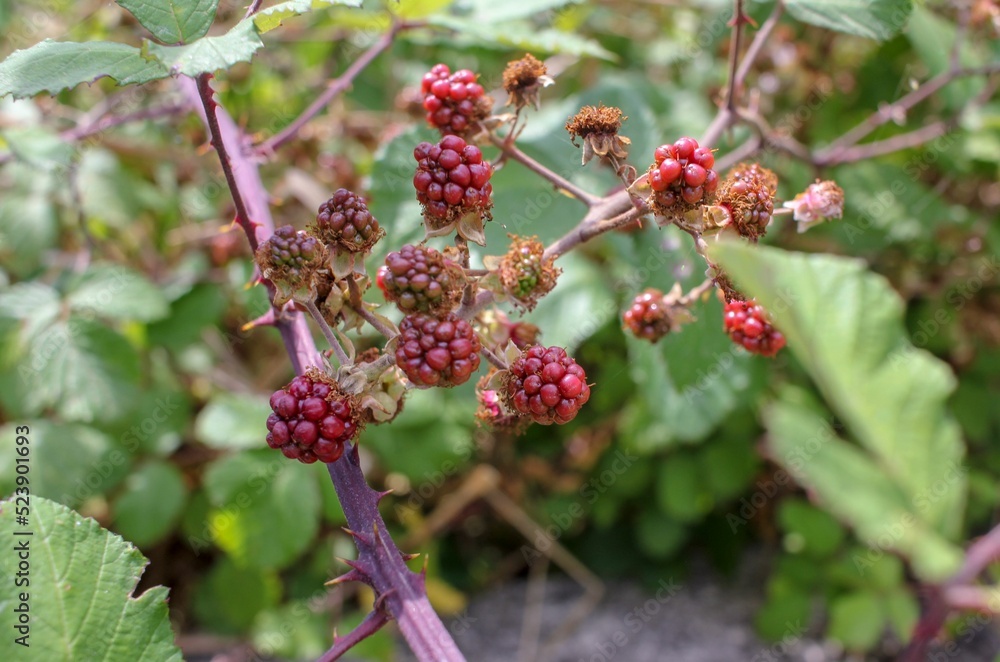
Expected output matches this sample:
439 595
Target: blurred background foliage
125 293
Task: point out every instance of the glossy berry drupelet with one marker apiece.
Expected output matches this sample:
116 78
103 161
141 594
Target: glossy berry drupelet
312 419
648 317
682 176
437 352
547 385
451 180
748 195
454 101
420 279
345 222
291 253
747 324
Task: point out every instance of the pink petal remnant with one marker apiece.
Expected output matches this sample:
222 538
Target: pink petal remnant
820 202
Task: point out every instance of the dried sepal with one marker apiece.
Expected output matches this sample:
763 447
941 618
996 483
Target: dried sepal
597 127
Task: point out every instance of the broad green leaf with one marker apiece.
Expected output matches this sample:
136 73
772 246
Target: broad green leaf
81 369
33 303
659 536
69 463
82 581
518 36
271 17
844 325
874 19
296 631
818 533
233 420
52 66
150 504
29 222
173 21
230 597
116 292
857 620
266 508
681 491
580 304
418 9
903 612
852 487
208 53
489 11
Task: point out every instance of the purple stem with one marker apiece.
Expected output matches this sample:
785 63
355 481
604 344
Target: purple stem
373 623
400 591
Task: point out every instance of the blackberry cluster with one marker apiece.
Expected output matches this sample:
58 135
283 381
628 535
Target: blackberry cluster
454 101
681 176
452 180
748 195
292 254
437 351
312 419
420 279
345 222
547 385
648 317
747 324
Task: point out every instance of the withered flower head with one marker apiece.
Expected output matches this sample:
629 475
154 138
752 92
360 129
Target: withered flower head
820 202
598 127
523 79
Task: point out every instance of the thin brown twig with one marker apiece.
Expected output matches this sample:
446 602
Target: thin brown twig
734 54
333 89
726 114
889 111
560 182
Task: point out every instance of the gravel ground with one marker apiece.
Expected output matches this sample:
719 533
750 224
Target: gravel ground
699 619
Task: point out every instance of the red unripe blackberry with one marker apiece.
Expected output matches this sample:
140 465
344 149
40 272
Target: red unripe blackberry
437 352
345 222
420 279
547 385
452 180
454 101
681 177
748 196
648 317
312 419
747 324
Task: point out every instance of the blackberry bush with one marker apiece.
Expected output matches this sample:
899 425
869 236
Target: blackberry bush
420 279
312 419
454 102
681 177
452 180
547 385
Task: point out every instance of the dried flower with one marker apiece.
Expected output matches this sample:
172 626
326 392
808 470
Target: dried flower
525 273
598 127
820 202
523 79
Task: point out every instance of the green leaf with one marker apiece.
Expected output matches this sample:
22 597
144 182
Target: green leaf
659 536
856 490
820 534
681 491
488 11
518 36
81 369
208 54
70 463
82 580
271 17
581 303
857 620
844 325
230 597
116 292
152 501
52 66
266 508
874 19
903 611
233 420
173 21
33 303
